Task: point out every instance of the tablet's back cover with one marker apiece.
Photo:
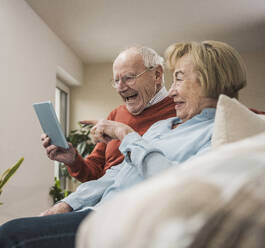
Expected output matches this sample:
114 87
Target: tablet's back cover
50 124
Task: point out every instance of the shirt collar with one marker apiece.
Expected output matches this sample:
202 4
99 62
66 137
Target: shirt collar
160 95
206 114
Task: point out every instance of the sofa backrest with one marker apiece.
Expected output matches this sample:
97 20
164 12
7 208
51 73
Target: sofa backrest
234 122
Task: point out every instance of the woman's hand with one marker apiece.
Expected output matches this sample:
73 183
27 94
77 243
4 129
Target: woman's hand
106 130
58 208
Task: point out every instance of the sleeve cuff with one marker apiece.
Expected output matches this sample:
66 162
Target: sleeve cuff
124 146
136 149
73 203
76 163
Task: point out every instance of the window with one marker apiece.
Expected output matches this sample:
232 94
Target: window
61 102
62 97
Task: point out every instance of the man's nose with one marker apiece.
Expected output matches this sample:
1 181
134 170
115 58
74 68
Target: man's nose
121 86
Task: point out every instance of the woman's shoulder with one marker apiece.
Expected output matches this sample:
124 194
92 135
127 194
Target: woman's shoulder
162 124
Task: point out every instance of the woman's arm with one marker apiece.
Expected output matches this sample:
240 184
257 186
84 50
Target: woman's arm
140 153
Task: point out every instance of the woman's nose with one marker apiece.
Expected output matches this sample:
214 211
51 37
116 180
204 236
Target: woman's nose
173 90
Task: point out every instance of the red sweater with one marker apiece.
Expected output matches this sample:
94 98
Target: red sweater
106 155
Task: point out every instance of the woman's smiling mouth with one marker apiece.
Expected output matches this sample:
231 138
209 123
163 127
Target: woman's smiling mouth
179 104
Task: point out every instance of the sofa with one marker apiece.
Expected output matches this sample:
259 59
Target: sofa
174 208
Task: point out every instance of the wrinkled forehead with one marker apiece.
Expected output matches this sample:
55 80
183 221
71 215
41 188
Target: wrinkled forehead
128 61
184 63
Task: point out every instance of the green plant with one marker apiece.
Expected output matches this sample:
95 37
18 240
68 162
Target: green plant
56 192
80 139
8 174
82 142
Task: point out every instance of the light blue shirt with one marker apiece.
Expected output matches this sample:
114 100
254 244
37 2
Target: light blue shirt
158 149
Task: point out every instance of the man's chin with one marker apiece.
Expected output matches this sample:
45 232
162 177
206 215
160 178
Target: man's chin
134 111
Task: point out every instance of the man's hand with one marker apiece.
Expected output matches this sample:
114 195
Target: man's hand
106 130
58 208
59 154
90 122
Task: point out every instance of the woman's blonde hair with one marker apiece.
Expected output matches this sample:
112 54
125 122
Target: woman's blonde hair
220 68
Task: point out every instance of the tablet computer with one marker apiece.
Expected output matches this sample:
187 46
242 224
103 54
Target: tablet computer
50 124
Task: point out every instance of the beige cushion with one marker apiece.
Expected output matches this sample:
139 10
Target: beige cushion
168 210
234 121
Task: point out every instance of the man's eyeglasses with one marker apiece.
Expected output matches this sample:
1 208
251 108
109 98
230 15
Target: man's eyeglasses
128 79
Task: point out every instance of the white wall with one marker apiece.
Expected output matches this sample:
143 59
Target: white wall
29 55
253 95
97 98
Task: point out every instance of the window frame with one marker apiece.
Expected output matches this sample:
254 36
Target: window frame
61 86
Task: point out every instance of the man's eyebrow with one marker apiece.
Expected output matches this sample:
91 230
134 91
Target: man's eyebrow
179 72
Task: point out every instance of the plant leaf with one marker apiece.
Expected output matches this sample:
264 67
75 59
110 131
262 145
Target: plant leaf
10 172
81 147
4 174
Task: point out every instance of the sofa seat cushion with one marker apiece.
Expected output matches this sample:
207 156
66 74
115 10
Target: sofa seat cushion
170 209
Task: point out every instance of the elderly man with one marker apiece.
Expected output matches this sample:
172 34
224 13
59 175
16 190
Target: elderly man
138 77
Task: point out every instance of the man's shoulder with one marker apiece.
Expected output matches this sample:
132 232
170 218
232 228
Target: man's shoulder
164 108
166 102
120 110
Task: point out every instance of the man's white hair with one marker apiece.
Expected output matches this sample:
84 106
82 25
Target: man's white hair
150 57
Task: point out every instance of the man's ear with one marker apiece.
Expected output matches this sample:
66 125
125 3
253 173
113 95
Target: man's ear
159 74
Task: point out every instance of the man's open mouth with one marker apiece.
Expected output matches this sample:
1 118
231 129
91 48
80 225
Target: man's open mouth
131 97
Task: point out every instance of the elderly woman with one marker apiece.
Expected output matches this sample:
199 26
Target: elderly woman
201 72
